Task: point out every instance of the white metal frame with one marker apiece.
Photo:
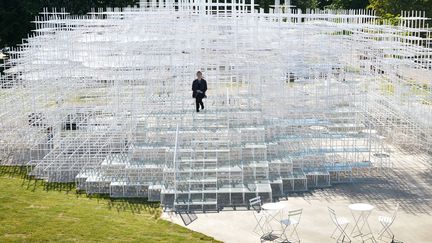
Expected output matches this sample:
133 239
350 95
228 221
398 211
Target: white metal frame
293 96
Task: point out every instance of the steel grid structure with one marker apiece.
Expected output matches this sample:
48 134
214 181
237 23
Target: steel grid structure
296 100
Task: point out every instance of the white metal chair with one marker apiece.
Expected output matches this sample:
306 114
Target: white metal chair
292 220
260 218
386 222
341 224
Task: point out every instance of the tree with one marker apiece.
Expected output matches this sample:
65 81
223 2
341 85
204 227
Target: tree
16 15
305 4
335 4
388 8
14 22
349 4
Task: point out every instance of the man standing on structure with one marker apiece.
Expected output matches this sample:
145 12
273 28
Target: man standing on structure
199 87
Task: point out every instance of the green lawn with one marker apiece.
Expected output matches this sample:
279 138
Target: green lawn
31 210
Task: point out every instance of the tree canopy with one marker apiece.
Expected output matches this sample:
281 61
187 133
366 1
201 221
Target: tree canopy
16 15
394 7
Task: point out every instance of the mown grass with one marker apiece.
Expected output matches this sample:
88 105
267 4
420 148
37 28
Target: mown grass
35 211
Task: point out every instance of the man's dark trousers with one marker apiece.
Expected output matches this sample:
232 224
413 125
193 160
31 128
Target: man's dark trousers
198 101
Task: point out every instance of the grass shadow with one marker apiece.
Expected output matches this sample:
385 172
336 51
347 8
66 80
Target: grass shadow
14 171
133 205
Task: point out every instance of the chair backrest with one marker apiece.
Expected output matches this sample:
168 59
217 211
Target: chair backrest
295 214
255 201
332 215
395 212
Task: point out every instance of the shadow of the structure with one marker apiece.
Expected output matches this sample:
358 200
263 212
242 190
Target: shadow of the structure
409 184
13 171
187 217
133 205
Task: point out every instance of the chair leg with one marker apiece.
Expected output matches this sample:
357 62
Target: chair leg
389 233
343 235
258 225
370 237
344 239
334 231
296 233
381 232
385 229
282 235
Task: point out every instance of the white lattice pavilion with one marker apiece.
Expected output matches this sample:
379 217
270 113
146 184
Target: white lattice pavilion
296 100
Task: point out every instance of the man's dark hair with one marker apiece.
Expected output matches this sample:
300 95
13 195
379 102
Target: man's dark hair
199 72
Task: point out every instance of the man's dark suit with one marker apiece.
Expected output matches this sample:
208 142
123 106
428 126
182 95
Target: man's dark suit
202 86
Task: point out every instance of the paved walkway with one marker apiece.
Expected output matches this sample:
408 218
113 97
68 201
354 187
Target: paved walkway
409 183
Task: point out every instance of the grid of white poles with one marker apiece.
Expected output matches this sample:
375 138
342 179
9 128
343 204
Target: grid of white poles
296 100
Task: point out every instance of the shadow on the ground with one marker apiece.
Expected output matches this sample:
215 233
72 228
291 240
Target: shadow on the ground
133 205
187 217
13 171
410 186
